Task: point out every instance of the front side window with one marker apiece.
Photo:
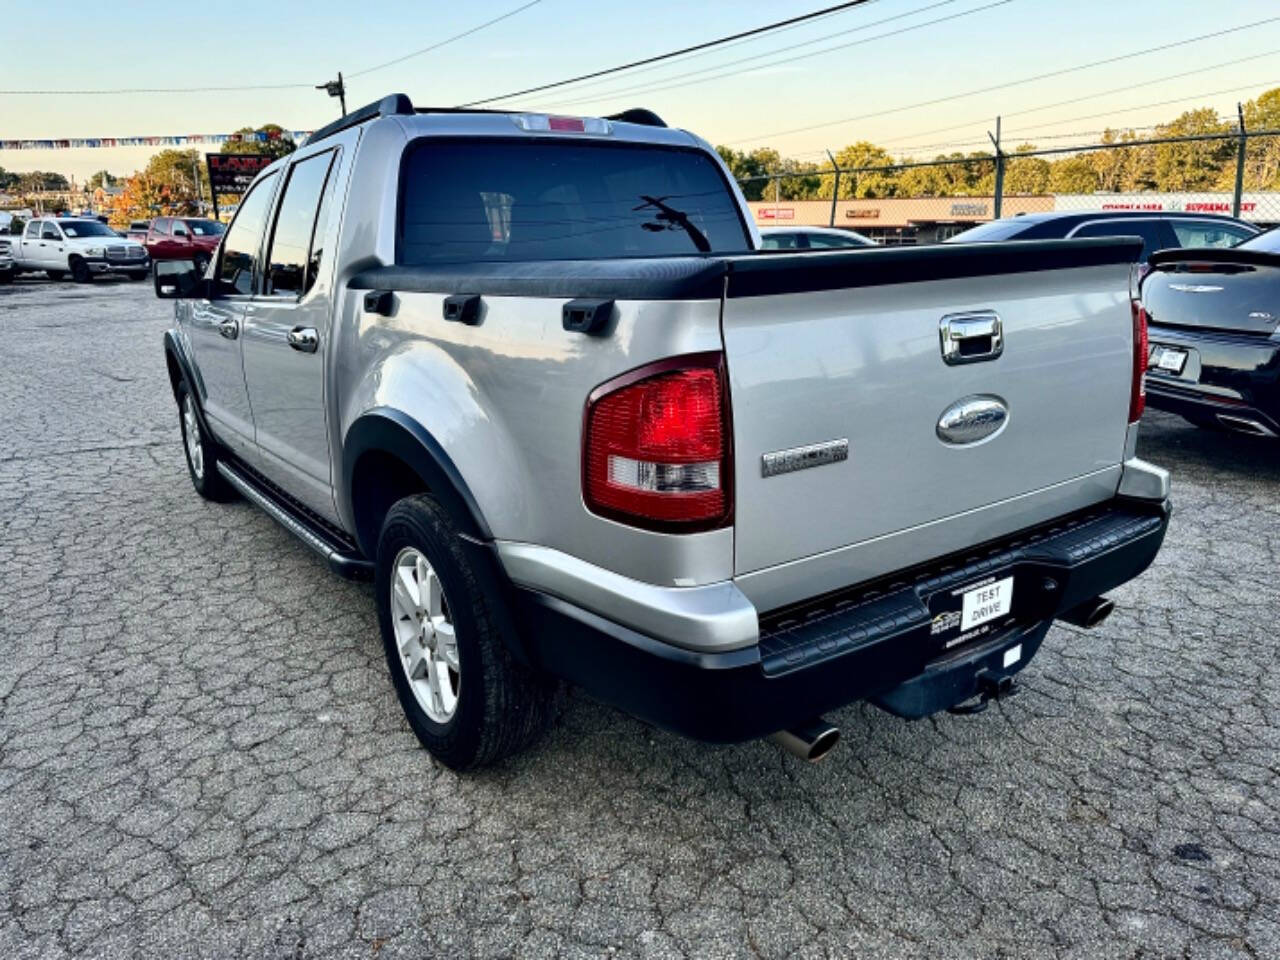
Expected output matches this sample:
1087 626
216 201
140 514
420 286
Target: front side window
295 224
493 200
180 229
1204 233
1148 230
50 232
239 264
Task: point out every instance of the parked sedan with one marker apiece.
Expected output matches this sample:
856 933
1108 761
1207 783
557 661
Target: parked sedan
1213 323
811 238
1159 231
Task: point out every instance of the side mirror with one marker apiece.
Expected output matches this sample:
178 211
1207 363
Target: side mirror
179 280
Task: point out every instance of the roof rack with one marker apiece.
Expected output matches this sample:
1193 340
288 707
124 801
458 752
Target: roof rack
391 105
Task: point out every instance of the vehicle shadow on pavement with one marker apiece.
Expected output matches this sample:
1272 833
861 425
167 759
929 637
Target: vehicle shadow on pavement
1173 443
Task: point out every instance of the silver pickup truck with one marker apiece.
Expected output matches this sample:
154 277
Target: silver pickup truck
533 376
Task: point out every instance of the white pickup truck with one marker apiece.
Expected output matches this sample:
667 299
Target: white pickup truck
81 247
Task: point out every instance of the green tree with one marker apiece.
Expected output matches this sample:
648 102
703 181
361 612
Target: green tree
8 180
1024 175
1193 166
1262 154
862 183
278 147
1074 174
102 179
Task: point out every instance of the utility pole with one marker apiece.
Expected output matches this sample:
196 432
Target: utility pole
336 88
998 200
835 189
1240 151
195 179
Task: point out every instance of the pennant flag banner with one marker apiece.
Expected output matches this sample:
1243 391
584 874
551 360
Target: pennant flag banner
76 143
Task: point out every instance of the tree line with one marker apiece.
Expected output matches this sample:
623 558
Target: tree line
1208 165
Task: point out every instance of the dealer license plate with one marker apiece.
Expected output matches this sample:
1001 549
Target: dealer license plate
1167 359
988 602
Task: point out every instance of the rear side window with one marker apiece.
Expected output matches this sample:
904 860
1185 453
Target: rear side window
33 230
779 241
295 224
1206 233
239 263
470 200
1153 237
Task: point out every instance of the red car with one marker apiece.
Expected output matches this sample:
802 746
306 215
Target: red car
184 238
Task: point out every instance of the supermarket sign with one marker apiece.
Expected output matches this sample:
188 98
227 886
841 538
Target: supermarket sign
1157 203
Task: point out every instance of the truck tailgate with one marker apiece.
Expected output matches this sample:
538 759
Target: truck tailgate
828 348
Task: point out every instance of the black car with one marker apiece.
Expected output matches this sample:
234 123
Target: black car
1159 231
1213 322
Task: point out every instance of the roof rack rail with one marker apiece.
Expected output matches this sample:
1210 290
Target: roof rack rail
390 105
639 115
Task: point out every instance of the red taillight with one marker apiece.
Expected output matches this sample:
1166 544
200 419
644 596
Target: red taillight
1138 391
566 124
656 446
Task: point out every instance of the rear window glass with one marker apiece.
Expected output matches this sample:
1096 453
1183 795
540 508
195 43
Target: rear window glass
469 200
1268 242
992 232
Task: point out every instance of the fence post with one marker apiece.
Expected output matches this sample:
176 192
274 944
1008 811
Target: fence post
1240 151
998 199
835 190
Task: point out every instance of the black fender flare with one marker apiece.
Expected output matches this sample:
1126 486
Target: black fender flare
176 360
385 430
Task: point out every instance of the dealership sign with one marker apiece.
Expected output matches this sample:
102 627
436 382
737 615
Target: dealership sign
233 172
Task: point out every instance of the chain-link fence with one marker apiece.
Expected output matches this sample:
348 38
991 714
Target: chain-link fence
929 201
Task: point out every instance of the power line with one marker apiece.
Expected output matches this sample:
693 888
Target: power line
438 45
647 86
674 53
1091 96
818 53
1010 83
271 86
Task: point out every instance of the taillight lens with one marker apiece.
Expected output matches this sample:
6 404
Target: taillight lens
1138 391
656 450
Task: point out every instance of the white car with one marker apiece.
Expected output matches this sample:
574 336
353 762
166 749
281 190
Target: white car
82 247
811 238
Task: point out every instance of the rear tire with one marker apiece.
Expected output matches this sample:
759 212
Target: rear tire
201 452
466 698
80 272
201 262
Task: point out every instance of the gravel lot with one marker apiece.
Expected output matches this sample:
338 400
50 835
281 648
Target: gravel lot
201 754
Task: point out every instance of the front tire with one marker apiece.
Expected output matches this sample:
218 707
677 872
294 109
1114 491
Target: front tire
467 700
201 452
80 272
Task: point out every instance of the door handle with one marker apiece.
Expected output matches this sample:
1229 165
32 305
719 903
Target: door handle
228 328
304 339
971 337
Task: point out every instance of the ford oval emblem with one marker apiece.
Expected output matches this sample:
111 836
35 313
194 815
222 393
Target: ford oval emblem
972 419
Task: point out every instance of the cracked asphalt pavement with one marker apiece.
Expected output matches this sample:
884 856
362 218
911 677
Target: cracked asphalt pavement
201 754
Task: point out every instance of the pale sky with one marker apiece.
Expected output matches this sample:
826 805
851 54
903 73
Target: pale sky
872 86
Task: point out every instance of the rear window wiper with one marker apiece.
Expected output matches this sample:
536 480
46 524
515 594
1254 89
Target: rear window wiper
669 218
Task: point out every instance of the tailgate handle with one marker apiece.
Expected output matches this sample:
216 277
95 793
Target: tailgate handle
971 337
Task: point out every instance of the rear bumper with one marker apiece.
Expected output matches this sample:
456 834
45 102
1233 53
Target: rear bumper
1226 374
876 641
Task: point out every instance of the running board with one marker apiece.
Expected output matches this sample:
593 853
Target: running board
343 558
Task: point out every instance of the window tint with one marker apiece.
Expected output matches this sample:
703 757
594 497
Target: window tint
1153 238
291 242
779 241
496 200
1205 233
239 263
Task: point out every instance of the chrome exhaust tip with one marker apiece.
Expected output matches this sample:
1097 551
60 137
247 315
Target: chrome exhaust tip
1090 613
1245 425
810 741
